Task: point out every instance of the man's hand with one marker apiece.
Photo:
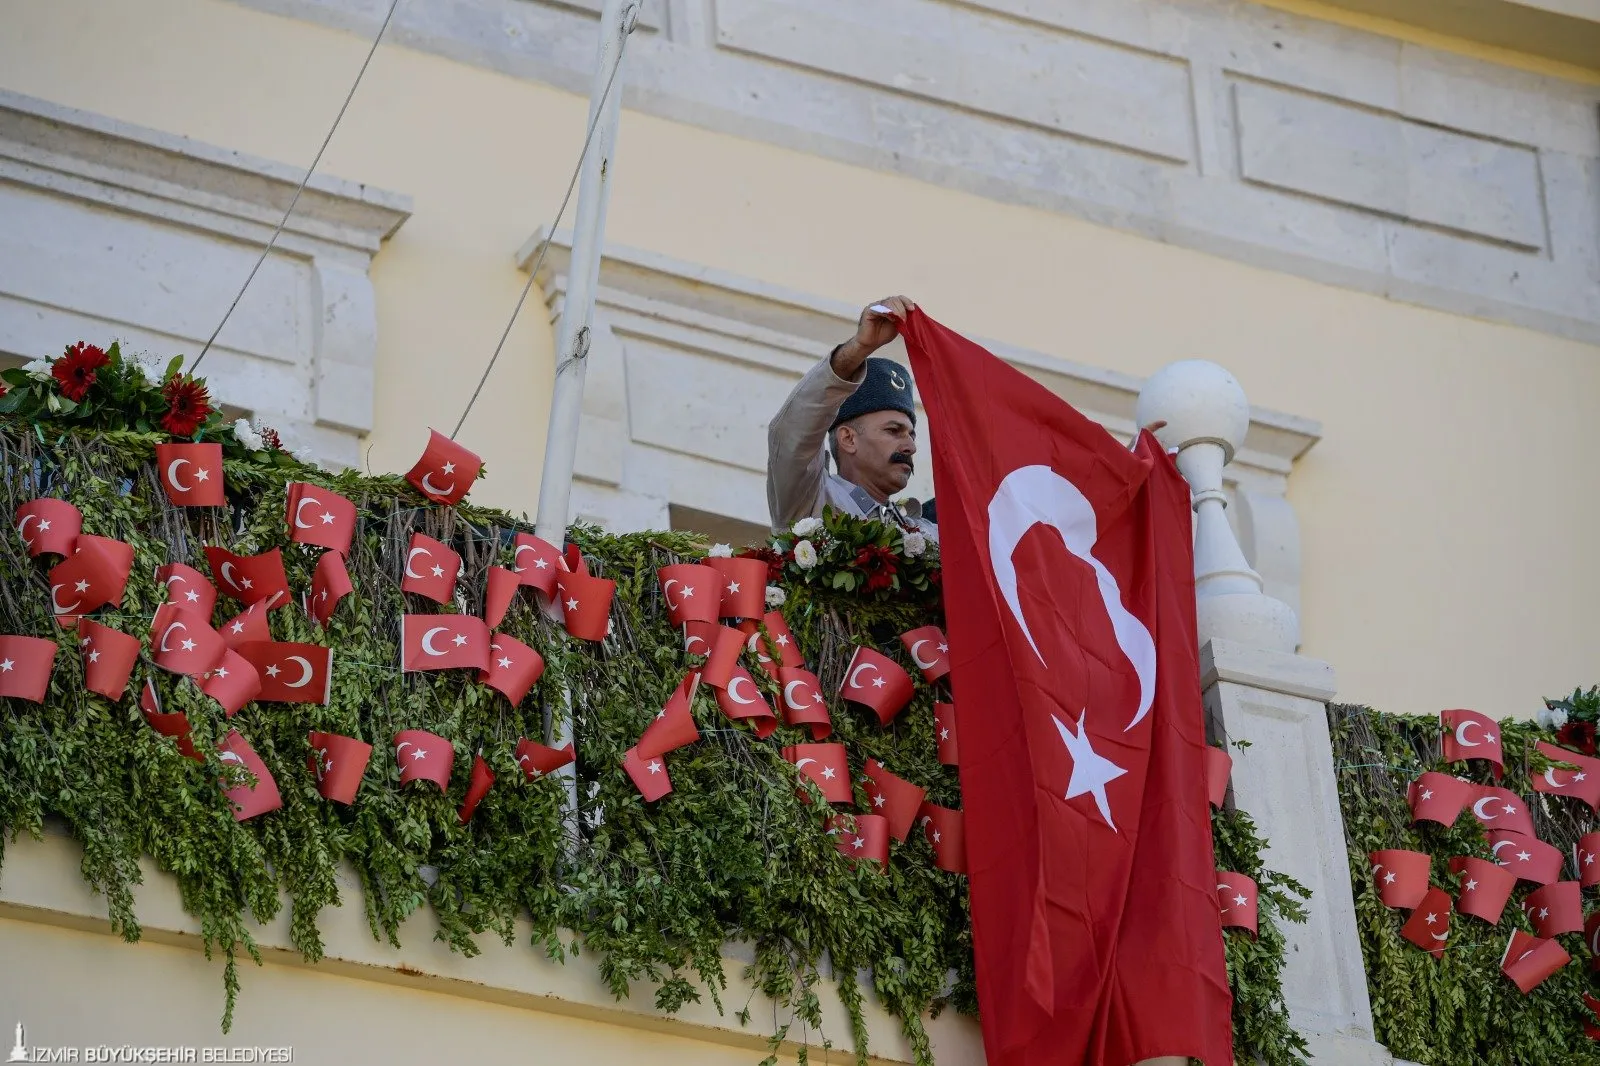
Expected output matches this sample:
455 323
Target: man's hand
874 329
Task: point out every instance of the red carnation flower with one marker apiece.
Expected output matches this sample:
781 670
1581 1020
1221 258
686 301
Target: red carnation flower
878 563
1579 736
75 370
188 404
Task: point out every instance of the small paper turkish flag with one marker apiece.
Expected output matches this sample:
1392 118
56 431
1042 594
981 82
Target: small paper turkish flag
869 839
1555 908
719 644
673 726
446 471
431 569
743 587
586 604
191 474
538 759
174 725
874 680
1436 797
1219 767
1238 898
25 665
250 578
1429 925
92 576
183 642
259 793
826 765
234 683
536 563
944 733
894 797
780 643
1586 860
188 587
477 787
691 591
513 667
319 517
1500 808
291 673
330 583
1470 735
501 590
929 650
1529 961
649 776
1591 936
48 525
1484 887
108 658
946 831
1530 858
741 700
1582 783
803 702
338 763
246 627
443 642
1401 876
424 756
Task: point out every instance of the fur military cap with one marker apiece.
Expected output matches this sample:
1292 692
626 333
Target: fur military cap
886 387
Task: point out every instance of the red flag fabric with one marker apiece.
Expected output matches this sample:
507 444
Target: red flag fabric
1401 876
945 831
1083 771
803 702
1582 783
825 764
477 787
538 759
1500 808
108 658
1238 901
649 776
743 583
424 756
537 562
446 471
25 665
868 840
586 604
1436 797
92 576
781 645
513 667
250 578
191 474
319 517
1429 925
1530 858
1485 887
338 763
1219 768
1585 854
291 673
234 683
431 569
174 725
183 641
944 733
500 591
1529 961
741 701
892 796
692 592
874 680
1470 735
1555 908
188 587
673 726
247 626
719 644
259 792
330 583
48 525
443 642
929 651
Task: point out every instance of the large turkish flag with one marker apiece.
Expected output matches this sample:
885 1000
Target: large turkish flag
1069 596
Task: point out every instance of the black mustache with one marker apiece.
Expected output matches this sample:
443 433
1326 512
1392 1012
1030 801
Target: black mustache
903 457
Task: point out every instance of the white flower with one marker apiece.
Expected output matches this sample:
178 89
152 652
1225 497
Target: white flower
1551 717
39 368
807 526
805 556
913 545
244 434
720 551
775 596
151 367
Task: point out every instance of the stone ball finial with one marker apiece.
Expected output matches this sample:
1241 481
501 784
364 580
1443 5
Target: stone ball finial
1199 401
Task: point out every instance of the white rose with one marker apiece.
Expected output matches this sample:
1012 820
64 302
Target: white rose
913 545
39 368
720 551
805 556
244 434
807 526
776 596
1542 717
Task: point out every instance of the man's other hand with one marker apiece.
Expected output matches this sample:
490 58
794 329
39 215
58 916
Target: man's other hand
874 329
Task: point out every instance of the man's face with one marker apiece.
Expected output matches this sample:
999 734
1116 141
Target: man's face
879 450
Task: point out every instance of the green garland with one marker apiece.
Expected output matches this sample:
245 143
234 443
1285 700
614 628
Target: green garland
1459 1010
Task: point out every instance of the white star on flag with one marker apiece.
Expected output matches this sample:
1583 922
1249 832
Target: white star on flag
572 605
449 468
879 800
438 571
273 671
418 754
937 836
1388 878
188 645
238 627
1427 794
192 596
505 664
246 583
944 734
860 843
459 640
1523 856
1239 901
541 564
1091 772
6 665
201 474
94 656
44 527
1431 918
827 773
327 520
81 586
943 648
733 586
221 671
1471 885
878 682
654 767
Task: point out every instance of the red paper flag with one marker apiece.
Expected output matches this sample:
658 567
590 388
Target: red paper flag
1591 936
892 796
874 680
869 839
945 830
1429 925
250 578
1529 961
330 583
108 658
743 591
424 756
673 726
780 645
538 759
259 792
1500 808
741 700
803 702
183 642
1530 858
691 591
246 627
48 525
513 667
1219 767
191 474
1470 735
1582 783
431 569
338 763
25 665
944 733
477 787
537 562
586 604
1436 797
649 776
93 576
446 471
1401 876
234 683
291 673
319 517
826 765
1484 887
929 651
719 644
443 642
188 587
501 590
174 725
1555 908
1584 855
1238 900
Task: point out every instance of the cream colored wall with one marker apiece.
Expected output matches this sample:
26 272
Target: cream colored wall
1446 514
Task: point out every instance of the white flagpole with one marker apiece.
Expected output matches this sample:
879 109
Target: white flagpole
617 19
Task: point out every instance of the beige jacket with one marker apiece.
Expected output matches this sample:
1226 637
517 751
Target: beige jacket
799 482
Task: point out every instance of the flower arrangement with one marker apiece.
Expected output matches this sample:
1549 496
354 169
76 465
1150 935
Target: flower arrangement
856 555
1574 719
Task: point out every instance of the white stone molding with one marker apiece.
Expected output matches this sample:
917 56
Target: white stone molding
112 231
1246 132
